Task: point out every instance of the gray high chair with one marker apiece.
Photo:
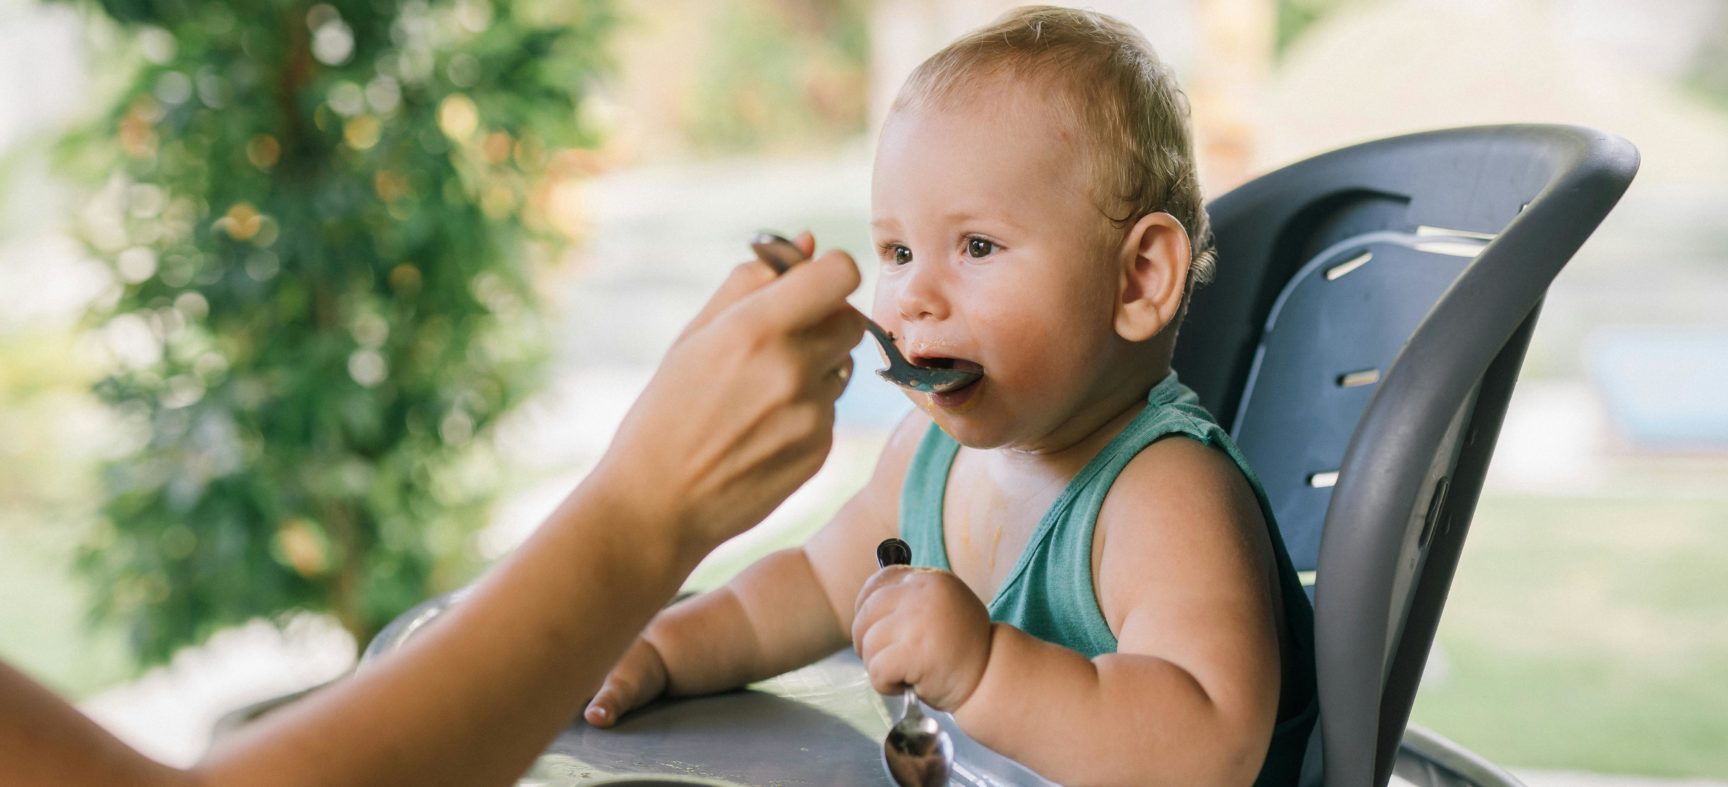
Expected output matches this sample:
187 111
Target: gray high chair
1361 342
1372 308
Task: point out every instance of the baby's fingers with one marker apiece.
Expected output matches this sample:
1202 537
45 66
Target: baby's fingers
639 678
875 592
617 697
887 664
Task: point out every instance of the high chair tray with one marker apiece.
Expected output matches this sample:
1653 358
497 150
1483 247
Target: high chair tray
818 725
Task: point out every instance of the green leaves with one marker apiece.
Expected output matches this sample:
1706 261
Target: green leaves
319 220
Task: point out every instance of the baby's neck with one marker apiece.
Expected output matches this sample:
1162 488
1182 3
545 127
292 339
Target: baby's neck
1089 429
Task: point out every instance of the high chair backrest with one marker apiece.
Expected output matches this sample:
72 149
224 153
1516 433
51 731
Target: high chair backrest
1370 313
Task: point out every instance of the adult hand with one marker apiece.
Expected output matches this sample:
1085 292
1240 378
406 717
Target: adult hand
741 411
925 629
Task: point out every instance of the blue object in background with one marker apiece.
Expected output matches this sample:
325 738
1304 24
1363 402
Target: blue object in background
1664 389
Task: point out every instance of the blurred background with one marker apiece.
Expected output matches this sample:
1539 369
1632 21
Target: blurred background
309 311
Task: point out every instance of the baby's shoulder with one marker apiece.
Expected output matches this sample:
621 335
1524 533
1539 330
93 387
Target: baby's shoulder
903 442
1178 478
896 456
1181 516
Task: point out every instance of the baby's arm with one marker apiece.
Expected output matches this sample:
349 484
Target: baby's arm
786 610
1184 578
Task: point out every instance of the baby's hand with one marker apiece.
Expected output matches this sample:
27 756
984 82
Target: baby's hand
923 628
637 679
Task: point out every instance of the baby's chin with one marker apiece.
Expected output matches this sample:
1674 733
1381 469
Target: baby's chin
970 438
969 432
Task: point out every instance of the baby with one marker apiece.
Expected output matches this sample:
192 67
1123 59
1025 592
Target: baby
1037 219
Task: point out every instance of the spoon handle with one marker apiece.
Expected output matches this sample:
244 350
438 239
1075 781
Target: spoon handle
893 552
776 252
910 707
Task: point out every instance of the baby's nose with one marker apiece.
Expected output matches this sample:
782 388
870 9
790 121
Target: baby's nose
921 295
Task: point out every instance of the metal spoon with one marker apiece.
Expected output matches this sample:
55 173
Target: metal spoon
779 253
917 752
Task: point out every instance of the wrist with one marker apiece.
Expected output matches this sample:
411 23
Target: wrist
975 698
646 533
651 514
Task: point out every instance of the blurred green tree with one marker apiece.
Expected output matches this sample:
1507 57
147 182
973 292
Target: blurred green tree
322 219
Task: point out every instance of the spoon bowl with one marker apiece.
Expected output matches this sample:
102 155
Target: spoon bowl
917 752
780 254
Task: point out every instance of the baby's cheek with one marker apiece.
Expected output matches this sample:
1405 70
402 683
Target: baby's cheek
882 305
1020 345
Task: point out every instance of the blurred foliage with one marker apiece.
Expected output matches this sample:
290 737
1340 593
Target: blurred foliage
781 73
39 411
1295 16
321 219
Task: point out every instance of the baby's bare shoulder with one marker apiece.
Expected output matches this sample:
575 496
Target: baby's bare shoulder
872 513
903 441
1179 478
882 491
1180 520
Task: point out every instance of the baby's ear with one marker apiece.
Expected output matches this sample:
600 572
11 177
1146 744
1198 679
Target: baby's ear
1154 258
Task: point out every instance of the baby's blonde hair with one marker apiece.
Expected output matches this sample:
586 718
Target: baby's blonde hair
1110 84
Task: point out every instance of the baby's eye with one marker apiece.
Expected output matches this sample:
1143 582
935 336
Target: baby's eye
900 254
979 247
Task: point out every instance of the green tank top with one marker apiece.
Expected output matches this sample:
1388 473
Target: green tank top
1048 593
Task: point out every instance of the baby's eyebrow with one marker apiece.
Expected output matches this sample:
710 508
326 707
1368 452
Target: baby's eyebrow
950 217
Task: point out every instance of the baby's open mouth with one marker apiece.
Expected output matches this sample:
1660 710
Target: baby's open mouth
959 390
938 362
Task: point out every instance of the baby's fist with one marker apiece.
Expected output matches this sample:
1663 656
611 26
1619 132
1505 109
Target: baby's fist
925 629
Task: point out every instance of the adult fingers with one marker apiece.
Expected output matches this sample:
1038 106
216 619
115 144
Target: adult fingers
745 278
839 378
827 346
806 294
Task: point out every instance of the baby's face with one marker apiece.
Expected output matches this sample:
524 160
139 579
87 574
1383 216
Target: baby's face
994 256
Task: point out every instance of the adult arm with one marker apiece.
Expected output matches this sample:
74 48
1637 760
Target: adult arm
477 697
788 609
